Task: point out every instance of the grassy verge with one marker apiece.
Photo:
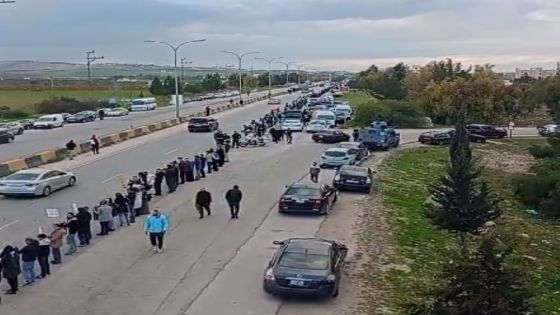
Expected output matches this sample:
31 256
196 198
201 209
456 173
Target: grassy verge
357 98
423 249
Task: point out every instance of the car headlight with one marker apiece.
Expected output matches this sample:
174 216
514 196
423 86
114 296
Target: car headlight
331 278
368 180
336 178
269 274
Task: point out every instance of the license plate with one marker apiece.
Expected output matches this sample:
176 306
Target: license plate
297 283
300 200
352 181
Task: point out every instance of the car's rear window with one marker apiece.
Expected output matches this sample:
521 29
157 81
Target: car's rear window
198 120
318 122
324 117
304 260
303 191
22 176
335 153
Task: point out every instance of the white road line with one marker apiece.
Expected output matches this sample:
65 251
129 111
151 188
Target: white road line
110 178
8 225
171 151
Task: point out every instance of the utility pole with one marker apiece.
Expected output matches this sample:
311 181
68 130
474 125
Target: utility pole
299 73
269 61
175 49
90 59
227 77
52 89
240 59
287 64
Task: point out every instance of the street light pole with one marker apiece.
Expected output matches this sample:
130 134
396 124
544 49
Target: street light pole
175 49
287 64
183 63
90 59
299 73
227 77
270 61
240 59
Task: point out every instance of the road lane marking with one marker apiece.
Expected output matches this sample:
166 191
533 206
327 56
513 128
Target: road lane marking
8 225
171 151
110 178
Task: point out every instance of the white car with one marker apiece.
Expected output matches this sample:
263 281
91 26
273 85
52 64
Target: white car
49 121
14 128
115 112
274 101
36 182
292 124
317 126
336 157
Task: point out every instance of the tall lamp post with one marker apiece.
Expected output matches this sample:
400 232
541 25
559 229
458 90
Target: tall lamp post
240 59
270 61
287 64
183 63
299 73
227 77
175 49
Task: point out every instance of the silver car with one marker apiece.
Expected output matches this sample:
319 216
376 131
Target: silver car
36 182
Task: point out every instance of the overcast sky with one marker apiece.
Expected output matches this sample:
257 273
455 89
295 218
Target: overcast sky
324 34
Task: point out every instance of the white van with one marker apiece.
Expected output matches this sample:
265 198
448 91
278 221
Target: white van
325 115
49 121
146 103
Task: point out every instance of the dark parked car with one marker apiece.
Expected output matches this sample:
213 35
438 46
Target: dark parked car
445 137
6 136
349 177
359 149
82 117
27 123
203 124
330 136
307 198
305 267
487 131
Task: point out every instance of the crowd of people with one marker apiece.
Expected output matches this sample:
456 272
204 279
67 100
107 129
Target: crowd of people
134 201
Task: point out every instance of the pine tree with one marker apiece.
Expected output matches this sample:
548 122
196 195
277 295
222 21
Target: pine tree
156 88
462 203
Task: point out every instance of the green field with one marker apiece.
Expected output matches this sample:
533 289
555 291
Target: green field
25 99
357 97
423 249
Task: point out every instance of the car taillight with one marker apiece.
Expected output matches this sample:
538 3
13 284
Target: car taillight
317 201
269 275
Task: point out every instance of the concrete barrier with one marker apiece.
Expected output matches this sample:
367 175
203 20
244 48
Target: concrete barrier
58 154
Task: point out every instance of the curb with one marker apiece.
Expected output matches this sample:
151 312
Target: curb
59 154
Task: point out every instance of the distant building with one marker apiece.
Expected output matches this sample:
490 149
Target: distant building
537 73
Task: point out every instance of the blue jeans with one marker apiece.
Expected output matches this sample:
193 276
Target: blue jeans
123 218
28 271
71 242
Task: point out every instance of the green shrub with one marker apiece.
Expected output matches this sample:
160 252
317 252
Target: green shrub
67 105
8 113
400 113
542 151
541 190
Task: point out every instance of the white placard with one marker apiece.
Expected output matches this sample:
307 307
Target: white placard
52 213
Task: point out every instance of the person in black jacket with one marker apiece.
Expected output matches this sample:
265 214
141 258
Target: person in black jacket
182 170
202 202
235 140
71 147
122 209
84 226
29 255
158 180
9 260
43 254
233 198
71 230
169 178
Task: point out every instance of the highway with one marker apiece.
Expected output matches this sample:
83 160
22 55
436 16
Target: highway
210 266
34 141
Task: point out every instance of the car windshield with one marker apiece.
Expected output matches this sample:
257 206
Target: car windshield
138 102
318 122
43 119
335 153
324 117
292 122
304 260
22 176
198 121
303 191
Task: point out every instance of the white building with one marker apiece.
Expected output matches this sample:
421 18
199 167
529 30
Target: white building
537 73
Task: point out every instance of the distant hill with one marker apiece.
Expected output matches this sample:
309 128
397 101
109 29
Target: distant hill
18 69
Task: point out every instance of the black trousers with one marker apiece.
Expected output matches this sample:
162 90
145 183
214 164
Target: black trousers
183 177
14 284
157 188
235 143
234 209
157 239
201 209
104 228
314 177
44 264
210 167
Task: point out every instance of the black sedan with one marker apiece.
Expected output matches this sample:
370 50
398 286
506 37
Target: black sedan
307 198
487 131
305 267
330 136
6 136
81 117
445 137
349 177
203 124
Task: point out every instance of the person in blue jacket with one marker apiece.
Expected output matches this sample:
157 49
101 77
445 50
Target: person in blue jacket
155 226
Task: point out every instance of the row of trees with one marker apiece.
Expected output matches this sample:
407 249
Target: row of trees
436 87
480 280
214 82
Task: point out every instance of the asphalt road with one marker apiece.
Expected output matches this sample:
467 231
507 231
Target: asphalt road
34 141
211 266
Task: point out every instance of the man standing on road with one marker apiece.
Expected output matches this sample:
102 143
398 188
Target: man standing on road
169 178
43 255
105 213
155 226
182 170
314 171
207 110
71 231
84 226
189 170
235 137
9 259
28 257
158 180
56 237
202 202
71 147
233 198
94 143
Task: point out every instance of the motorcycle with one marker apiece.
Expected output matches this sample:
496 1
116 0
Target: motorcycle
252 141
